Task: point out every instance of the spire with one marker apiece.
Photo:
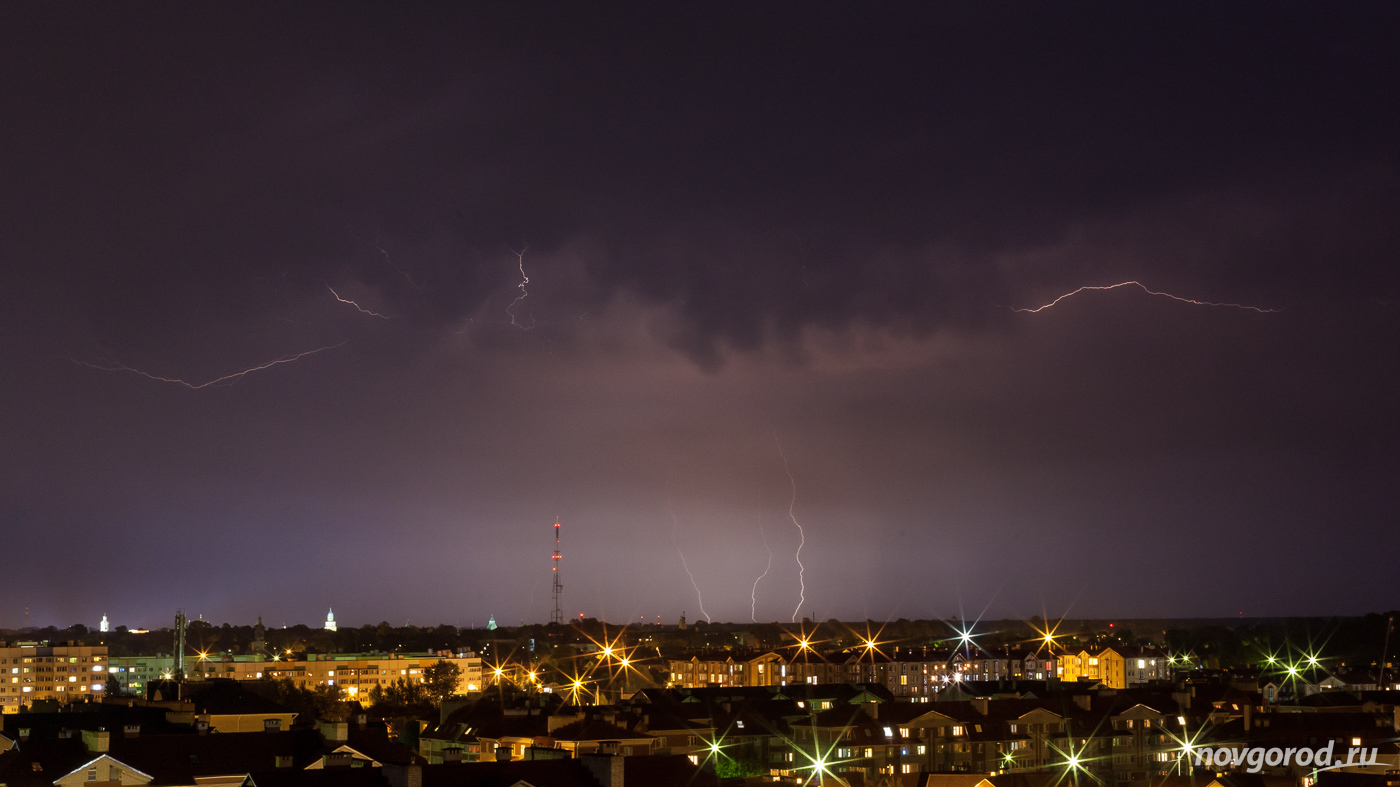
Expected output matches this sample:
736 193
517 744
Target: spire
330 620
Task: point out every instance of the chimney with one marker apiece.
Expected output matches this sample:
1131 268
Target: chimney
201 727
1247 715
361 720
1084 701
23 734
1183 700
606 768
402 775
979 704
97 742
131 730
337 731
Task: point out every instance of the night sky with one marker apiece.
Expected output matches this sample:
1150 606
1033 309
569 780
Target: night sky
799 223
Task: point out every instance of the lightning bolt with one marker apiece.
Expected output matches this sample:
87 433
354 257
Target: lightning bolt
1142 287
675 523
801 569
197 386
358 307
524 293
395 266
753 596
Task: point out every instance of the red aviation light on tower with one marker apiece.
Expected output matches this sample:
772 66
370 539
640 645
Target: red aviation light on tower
558 616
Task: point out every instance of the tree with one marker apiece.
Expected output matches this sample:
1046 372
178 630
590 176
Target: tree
440 680
330 703
746 762
323 702
113 687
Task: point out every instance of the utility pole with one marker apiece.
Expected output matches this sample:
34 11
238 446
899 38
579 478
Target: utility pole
558 616
1385 650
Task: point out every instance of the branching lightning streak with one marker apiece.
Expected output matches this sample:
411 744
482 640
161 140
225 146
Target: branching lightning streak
395 266
801 569
1143 287
197 386
753 596
357 306
524 293
675 524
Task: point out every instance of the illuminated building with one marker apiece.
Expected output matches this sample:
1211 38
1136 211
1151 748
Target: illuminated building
1117 666
37 671
134 672
357 673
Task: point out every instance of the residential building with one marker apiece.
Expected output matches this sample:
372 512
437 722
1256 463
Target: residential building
357 673
39 671
134 672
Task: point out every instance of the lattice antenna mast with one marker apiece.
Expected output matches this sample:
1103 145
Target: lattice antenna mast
179 666
558 616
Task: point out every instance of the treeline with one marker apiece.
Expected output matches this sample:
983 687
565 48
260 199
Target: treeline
1355 641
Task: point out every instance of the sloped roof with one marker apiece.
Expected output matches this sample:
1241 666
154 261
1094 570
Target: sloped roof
179 759
332 777
228 698
89 716
54 759
543 773
595 730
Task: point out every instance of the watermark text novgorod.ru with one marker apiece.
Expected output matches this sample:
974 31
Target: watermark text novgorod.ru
1255 759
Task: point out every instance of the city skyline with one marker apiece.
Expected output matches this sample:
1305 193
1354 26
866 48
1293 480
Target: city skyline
928 312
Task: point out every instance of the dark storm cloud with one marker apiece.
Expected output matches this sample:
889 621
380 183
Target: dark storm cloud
754 166
828 211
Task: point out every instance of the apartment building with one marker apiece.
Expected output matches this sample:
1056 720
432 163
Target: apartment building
39 671
912 673
134 672
357 673
1116 666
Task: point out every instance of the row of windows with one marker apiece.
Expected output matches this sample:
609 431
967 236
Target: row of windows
60 687
50 660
